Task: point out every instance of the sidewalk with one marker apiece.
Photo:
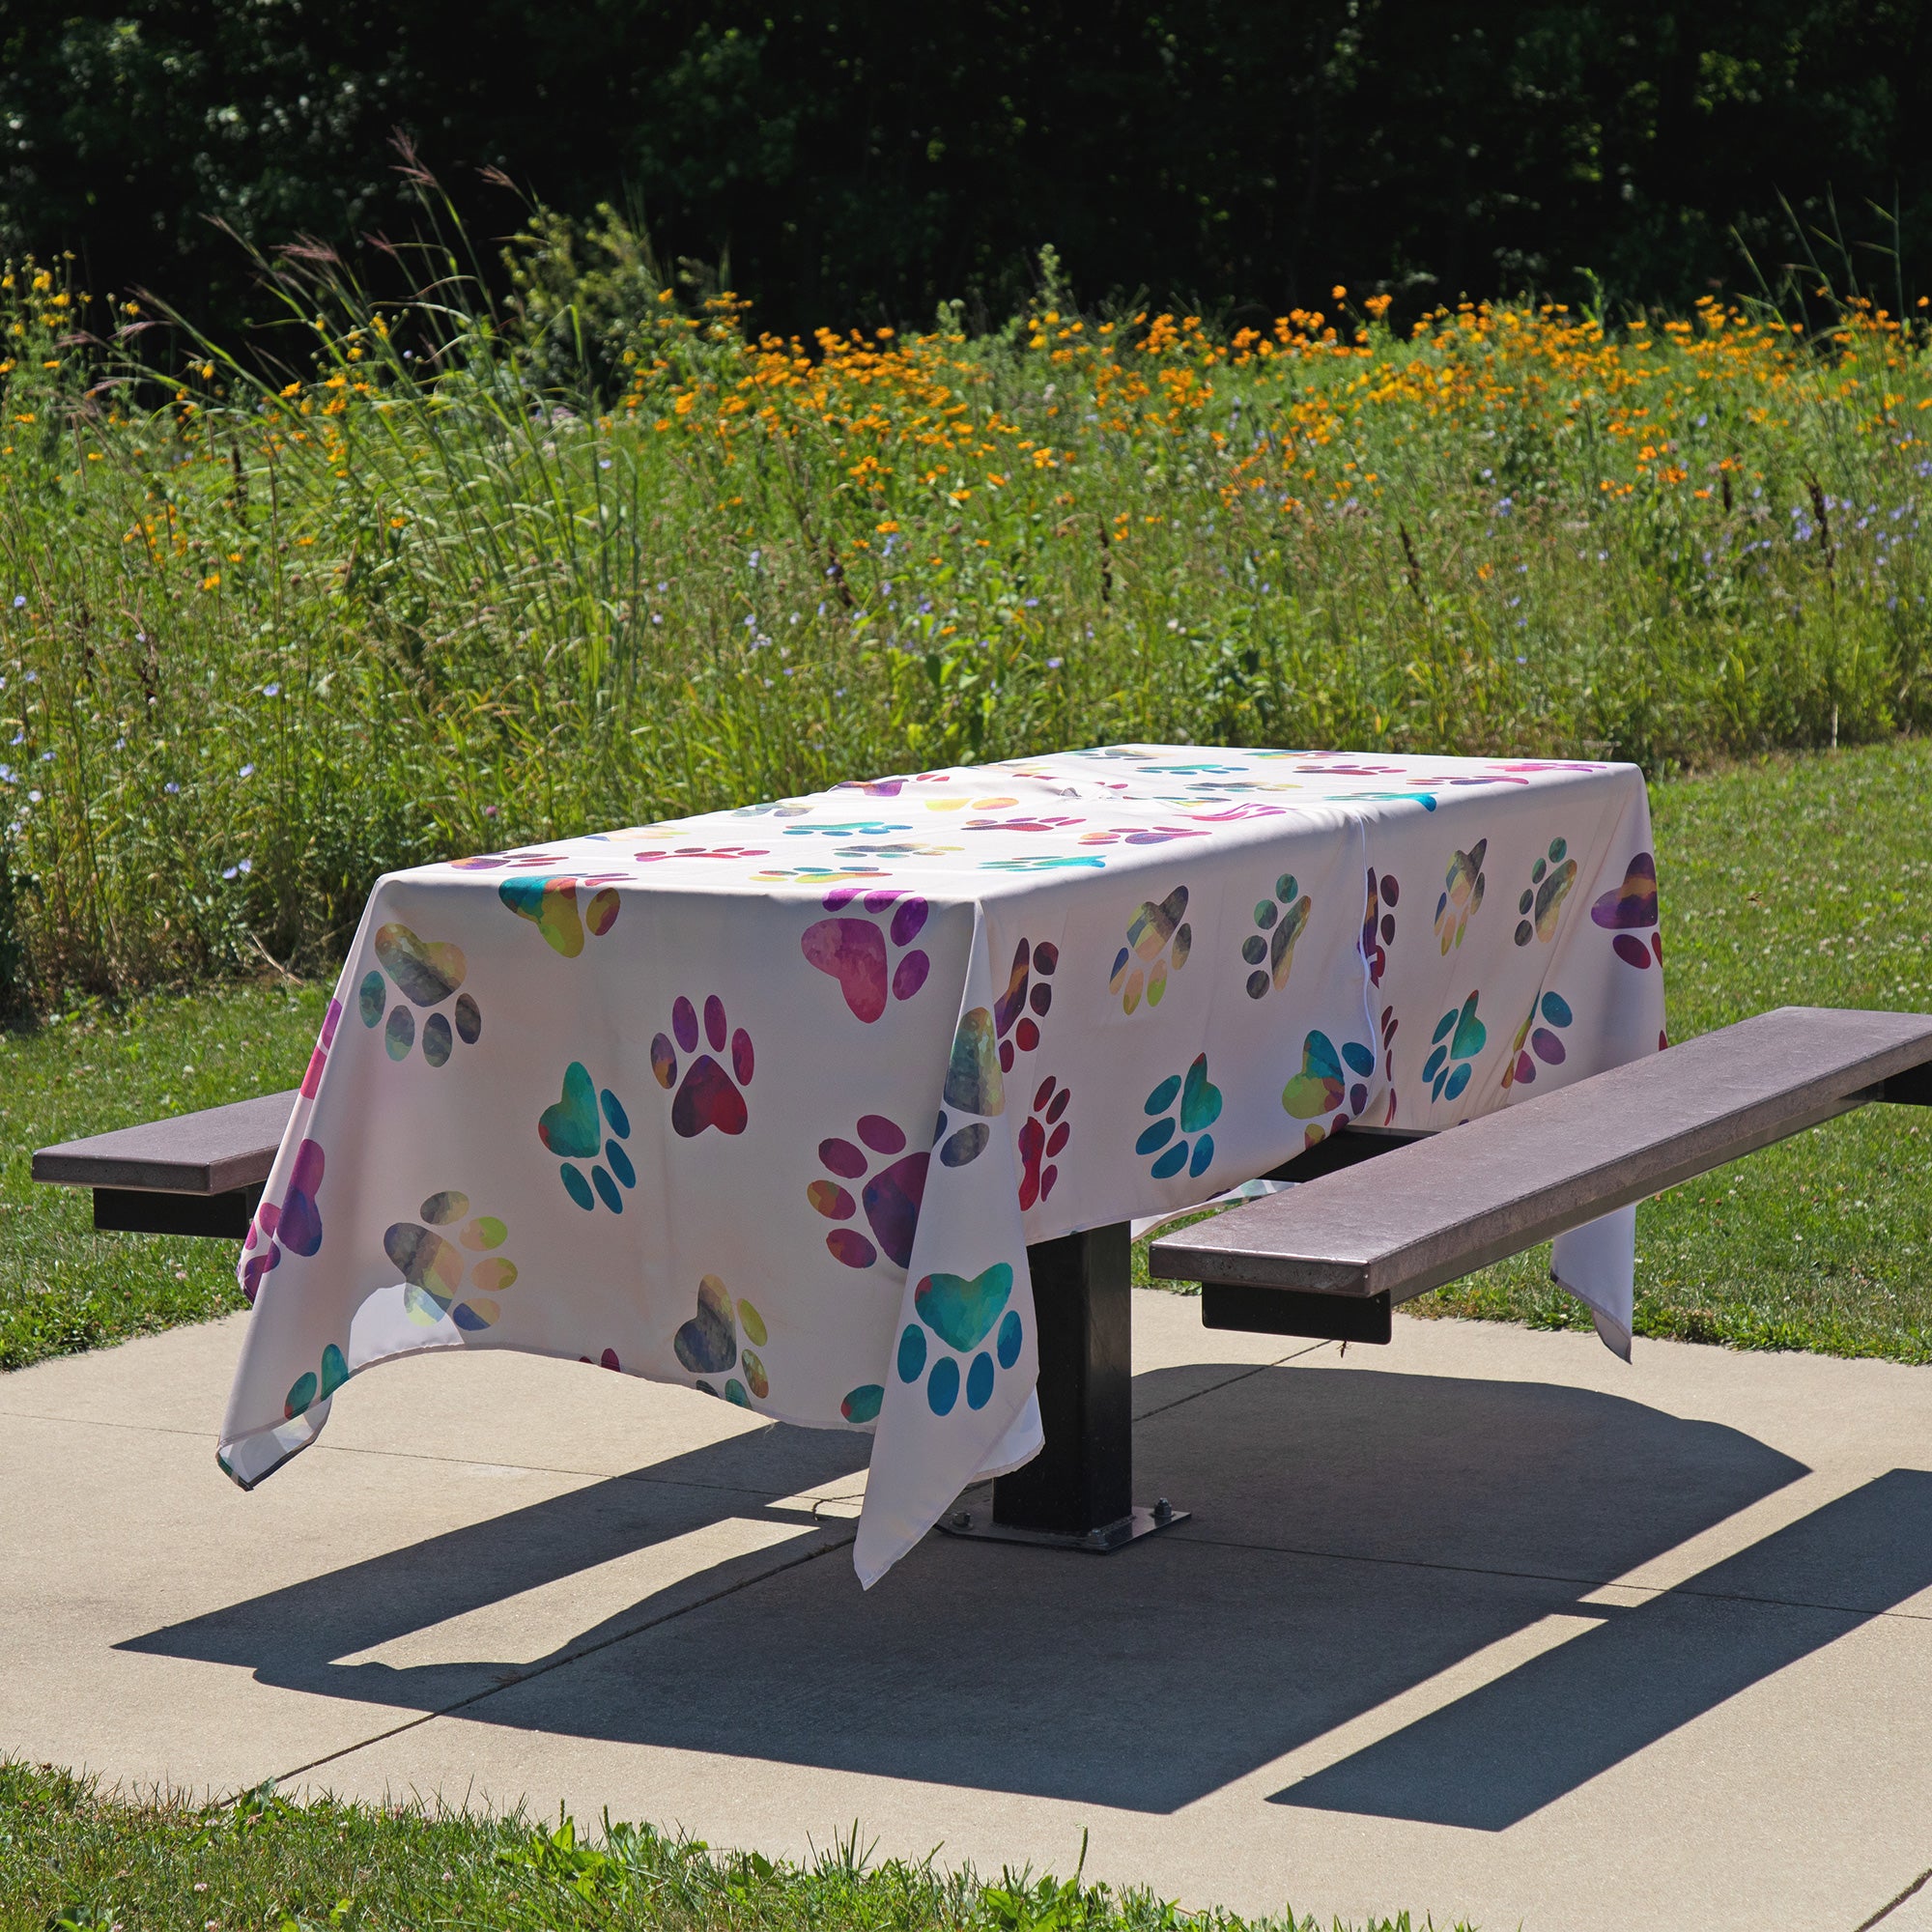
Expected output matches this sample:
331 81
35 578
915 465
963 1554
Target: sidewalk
1483 1622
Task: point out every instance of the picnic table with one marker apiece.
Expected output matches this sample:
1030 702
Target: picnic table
775 1103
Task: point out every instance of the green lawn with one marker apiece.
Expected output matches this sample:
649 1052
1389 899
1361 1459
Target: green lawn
1804 880
71 1860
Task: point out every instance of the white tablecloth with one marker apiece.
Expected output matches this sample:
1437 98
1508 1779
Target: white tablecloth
770 1102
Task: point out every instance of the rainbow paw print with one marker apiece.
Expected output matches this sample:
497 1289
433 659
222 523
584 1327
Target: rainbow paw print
1017 1027
1629 910
426 973
1324 1085
1158 939
710 1095
856 953
441 1276
1199 1108
571 1129
1378 924
294 1222
309 1389
891 1198
1043 1137
973 1086
1270 947
550 904
1550 881
1535 1042
1462 896
707 1345
961 1312
1458 1038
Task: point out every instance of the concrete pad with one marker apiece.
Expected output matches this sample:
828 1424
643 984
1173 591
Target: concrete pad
1483 1623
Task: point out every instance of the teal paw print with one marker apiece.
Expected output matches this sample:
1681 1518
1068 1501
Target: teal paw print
572 1131
1170 1135
1550 881
426 972
1270 947
961 1312
1535 1042
1458 1038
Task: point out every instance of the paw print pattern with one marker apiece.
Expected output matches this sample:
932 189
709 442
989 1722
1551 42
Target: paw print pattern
550 904
1535 1042
1331 1081
441 1276
572 1131
708 1344
1270 947
1458 1037
1043 1137
1378 924
1461 896
890 1198
426 973
1158 940
292 1223
856 953
973 1086
319 1059
961 1312
1550 881
1170 1135
711 1093
1014 1026
1630 911
310 1388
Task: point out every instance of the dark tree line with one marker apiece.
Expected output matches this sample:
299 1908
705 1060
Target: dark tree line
859 163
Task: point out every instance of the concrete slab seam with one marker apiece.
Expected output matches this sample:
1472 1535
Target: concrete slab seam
1215 1388
1885 1911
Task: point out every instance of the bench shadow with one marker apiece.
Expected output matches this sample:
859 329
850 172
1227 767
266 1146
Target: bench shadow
1354 1534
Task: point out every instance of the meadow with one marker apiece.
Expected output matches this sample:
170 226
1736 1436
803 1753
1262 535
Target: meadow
454 574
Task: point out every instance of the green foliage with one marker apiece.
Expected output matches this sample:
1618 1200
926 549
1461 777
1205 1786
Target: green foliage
859 172
73 1858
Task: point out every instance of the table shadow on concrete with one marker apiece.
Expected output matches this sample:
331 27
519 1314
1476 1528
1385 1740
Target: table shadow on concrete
1491 1758
1341 1553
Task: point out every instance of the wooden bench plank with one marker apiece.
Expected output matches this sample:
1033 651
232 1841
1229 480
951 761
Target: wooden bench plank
214 1152
1438 1208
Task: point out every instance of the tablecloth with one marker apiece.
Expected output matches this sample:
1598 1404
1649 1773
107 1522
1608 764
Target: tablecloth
770 1102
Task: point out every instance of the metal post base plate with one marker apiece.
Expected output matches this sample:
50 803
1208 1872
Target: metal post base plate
976 1520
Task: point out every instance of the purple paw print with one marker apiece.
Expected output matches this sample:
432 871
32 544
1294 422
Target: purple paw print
858 954
294 1223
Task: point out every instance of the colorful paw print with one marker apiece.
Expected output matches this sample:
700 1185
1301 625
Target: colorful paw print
1542 1044
1270 947
711 1093
550 904
1378 924
961 1312
1043 1137
1158 940
1629 910
973 1086
309 1389
856 953
1462 896
1170 1136
890 1198
1458 1037
1017 1027
571 1129
319 1059
707 1345
426 973
442 1280
292 1223
1324 1085
1550 881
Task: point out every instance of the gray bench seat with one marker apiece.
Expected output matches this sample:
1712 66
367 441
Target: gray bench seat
1332 1257
197 1174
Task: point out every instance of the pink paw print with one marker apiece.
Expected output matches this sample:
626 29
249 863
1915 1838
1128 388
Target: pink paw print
709 1095
860 957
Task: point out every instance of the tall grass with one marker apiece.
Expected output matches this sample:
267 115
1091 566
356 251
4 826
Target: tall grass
454 574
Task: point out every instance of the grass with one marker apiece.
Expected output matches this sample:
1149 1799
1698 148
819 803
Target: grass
451 576
73 1859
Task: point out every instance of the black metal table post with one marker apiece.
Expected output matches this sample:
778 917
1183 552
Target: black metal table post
1077 1494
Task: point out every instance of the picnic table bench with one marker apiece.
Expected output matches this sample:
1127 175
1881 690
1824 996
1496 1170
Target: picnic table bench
1330 1258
